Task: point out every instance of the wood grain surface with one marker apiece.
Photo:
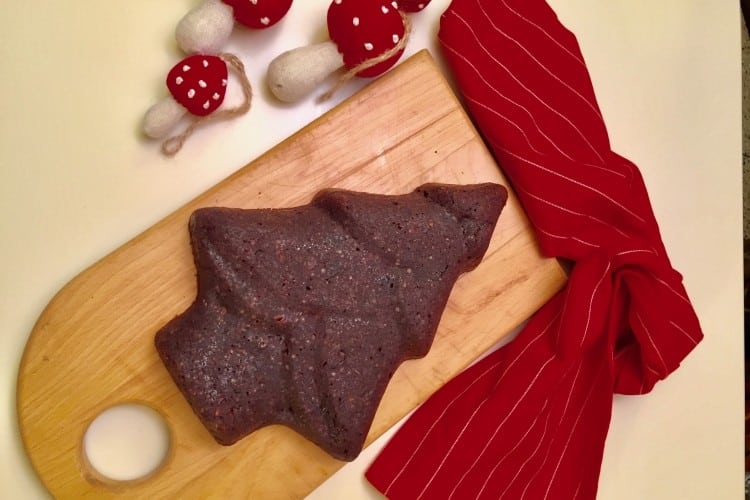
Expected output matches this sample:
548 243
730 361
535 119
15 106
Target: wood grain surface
92 347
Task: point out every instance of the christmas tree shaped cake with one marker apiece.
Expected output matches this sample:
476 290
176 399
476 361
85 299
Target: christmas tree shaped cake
303 314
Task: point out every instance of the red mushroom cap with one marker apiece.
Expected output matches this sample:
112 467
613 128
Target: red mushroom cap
259 14
412 5
364 29
199 83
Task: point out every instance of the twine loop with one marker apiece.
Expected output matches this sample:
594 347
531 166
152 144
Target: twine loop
171 146
369 63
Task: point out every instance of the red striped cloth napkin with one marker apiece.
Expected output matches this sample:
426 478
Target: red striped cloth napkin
530 420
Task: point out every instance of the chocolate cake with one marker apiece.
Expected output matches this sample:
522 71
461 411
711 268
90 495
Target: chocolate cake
303 314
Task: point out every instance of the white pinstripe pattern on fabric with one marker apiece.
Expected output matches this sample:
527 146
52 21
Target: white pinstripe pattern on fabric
463 429
578 489
653 344
536 473
637 250
591 303
576 183
533 454
453 445
500 425
572 431
570 394
539 63
547 157
565 410
529 458
454 400
497 429
570 211
656 278
496 113
545 33
561 237
683 331
670 288
501 95
608 170
527 89
517 358
680 295
653 371
445 410
502 459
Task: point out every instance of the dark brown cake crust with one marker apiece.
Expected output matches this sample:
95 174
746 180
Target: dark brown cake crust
303 314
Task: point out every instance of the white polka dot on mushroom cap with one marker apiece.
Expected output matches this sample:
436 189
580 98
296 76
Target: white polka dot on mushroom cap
384 9
178 80
191 93
395 38
395 5
186 68
205 63
355 21
368 46
265 21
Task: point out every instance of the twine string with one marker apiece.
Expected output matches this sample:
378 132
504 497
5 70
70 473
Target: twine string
171 146
369 63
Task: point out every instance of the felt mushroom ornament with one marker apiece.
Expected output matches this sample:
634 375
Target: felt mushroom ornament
198 83
366 37
207 27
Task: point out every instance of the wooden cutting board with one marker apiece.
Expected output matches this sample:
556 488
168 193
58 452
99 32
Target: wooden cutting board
93 346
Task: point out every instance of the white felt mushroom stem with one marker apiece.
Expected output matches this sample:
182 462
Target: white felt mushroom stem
294 74
206 28
162 118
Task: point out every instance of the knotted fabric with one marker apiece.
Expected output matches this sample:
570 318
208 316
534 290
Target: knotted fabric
530 419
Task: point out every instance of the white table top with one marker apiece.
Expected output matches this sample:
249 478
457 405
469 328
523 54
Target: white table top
77 181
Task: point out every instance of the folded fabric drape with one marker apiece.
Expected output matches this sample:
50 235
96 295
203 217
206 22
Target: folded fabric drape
530 420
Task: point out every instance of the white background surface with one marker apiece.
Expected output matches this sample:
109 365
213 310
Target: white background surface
77 181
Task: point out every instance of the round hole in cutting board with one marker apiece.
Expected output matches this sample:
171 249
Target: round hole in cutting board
126 442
